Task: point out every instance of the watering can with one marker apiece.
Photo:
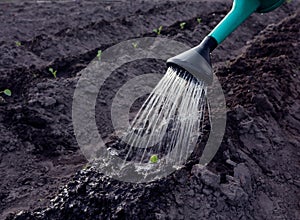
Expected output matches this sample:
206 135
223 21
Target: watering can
197 61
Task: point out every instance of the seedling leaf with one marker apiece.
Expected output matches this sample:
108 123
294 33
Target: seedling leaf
51 70
99 54
135 45
18 43
7 92
154 158
182 24
158 30
199 20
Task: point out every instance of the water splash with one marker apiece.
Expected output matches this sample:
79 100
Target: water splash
169 122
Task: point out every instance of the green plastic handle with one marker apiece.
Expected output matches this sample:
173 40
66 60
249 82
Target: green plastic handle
240 11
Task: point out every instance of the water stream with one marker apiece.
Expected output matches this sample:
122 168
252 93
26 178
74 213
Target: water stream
168 124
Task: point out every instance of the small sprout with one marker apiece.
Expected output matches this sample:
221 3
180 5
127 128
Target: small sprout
158 30
154 158
18 44
6 92
199 20
51 70
86 166
182 24
99 54
288 1
135 45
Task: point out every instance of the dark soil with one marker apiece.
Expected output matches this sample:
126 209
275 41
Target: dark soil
255 174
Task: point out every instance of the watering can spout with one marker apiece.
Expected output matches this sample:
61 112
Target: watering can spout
197 60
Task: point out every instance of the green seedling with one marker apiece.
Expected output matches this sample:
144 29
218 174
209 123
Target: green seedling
86 166
135 45
199 20
51 70
158 30
154 158
6 92
18 44
288 1
182 24
99 54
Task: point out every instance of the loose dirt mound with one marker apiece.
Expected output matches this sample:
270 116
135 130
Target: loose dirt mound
255 173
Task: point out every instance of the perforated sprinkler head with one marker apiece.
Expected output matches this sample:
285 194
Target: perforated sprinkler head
197 60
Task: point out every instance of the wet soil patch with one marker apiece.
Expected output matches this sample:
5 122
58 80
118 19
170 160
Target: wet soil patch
255 172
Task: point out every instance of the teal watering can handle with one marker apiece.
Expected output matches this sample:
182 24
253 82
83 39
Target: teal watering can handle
240 11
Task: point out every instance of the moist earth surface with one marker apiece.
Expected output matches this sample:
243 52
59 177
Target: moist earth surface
254 175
